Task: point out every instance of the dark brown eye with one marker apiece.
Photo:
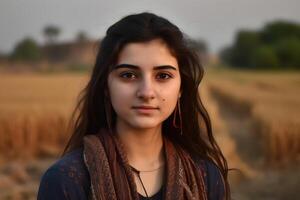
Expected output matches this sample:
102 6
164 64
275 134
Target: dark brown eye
128 75
163 76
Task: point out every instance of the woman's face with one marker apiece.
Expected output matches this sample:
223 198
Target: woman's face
145 84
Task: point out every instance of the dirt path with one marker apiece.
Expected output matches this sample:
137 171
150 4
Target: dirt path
269 183
243 130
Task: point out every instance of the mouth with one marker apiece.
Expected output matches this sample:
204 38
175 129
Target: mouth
144 110
145 107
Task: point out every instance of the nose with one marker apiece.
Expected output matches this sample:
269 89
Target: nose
146 89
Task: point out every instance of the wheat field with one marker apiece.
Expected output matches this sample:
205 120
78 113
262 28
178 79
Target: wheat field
35 110
272 101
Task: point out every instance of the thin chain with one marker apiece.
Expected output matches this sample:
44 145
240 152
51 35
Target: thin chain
138 174
152 170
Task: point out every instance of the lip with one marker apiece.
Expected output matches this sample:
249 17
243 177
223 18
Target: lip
145 110
145 107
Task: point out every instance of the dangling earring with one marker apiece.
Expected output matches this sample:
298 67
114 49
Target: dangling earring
174 116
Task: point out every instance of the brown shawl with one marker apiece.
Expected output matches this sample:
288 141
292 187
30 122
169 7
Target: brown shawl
112 177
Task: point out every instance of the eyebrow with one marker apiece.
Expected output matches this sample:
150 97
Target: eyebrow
130 66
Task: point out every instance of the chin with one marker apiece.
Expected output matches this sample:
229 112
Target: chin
145 124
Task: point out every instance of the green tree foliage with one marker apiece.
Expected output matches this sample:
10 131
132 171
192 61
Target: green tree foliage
276 31
51 33
266 57
226 55
243 50
26 50
277 45
288 51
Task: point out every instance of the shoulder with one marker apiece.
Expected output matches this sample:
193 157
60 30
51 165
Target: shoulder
68 178
213 179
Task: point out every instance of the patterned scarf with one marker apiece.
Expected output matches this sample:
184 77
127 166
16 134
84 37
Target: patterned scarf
112 178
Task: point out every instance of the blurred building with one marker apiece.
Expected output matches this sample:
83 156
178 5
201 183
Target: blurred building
75 52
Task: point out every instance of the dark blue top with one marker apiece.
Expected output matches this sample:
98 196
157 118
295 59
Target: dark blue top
68 179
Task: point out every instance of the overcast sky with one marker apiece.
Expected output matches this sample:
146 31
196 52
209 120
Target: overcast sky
215 21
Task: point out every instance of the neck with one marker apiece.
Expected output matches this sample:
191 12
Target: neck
144 147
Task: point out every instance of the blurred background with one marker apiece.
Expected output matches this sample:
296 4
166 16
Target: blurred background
251 55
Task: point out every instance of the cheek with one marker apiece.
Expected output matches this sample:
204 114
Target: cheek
120 95
170 97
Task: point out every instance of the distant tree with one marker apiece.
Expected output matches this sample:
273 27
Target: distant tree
288 51
276 31
275 45
198 45
81 36
26 50
265 57
245 45
51 33
226 55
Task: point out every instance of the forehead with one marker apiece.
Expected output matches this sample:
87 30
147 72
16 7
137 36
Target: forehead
147 54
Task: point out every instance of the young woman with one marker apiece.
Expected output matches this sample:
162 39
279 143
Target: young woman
141 131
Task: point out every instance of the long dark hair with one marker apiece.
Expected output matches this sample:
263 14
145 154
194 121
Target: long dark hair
94 112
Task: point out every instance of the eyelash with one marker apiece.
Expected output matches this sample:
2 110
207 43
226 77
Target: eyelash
169 76
125 75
